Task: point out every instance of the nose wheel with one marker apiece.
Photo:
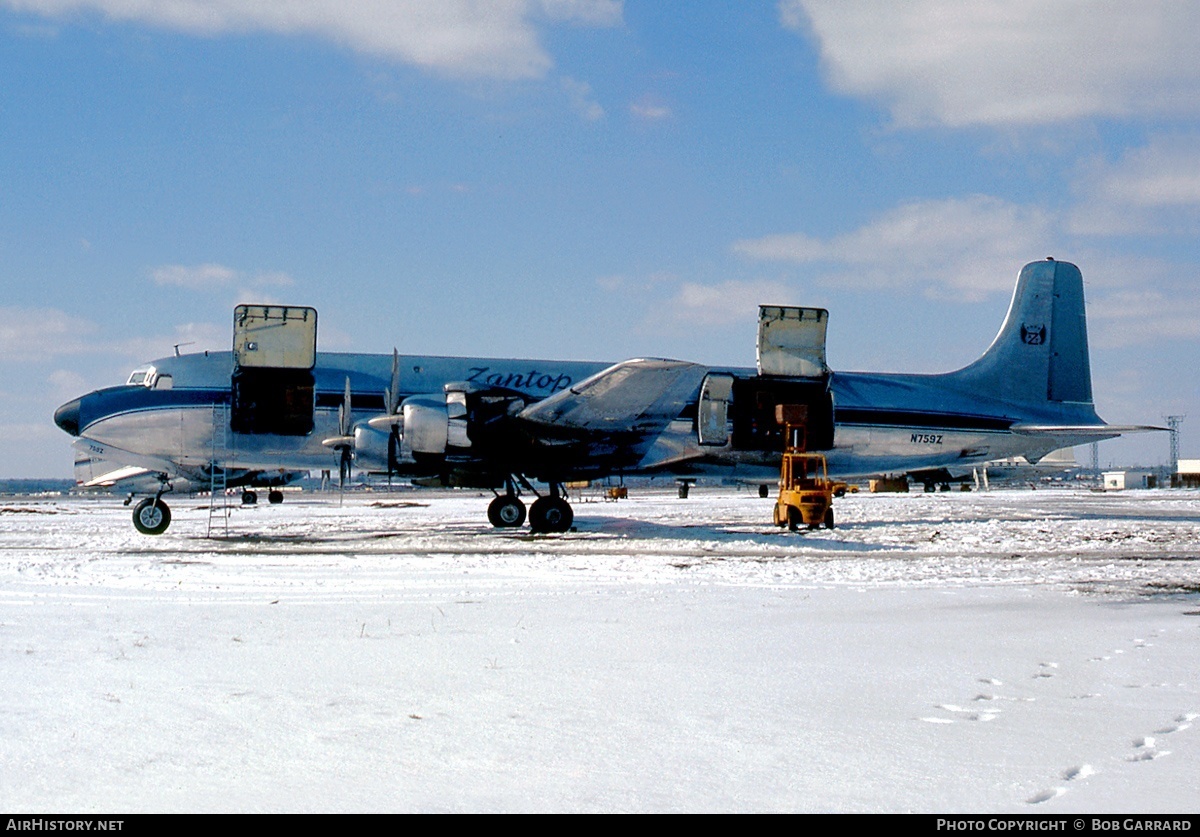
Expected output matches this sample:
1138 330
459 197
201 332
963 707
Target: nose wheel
151 517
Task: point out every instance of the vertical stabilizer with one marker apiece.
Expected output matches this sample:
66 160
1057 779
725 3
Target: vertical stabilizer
1041 352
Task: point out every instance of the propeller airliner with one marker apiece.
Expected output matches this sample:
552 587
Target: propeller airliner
274 408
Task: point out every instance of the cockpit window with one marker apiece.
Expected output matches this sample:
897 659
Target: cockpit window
142 376
162 381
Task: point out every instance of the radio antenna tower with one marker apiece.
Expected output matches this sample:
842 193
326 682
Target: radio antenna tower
1173 423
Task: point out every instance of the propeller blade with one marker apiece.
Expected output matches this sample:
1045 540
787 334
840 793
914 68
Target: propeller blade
344 411
391 395
343 472
391 403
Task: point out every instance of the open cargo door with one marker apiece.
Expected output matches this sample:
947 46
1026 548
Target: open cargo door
791 371
274 352
791 341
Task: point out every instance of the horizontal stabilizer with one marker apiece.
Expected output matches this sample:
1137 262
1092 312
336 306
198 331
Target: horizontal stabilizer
126 472
101 456
1099 431
640 396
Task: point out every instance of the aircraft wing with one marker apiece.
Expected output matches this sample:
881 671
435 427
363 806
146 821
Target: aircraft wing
623 408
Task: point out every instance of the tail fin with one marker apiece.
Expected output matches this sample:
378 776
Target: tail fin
1041 352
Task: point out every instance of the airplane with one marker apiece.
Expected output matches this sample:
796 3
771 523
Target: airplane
273 409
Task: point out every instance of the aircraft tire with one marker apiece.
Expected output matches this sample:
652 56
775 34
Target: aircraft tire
151 518
829 519
506 512
274 497
763 491
550 514
249 498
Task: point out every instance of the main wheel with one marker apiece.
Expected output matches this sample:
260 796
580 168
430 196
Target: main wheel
249 498
274 497
506 512
550 514
829 519
150 517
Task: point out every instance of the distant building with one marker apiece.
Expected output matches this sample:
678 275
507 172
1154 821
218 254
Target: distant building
1120 480
1187 475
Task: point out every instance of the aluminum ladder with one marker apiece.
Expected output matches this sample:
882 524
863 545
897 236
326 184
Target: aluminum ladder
218 481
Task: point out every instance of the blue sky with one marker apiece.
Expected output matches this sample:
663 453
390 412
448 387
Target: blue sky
593 179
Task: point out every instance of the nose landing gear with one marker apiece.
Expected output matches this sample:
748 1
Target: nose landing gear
152 516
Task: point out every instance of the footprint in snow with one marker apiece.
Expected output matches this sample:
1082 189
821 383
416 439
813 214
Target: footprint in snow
1081 771
1046 670
1180 723
1045 796
969 714
984 696
1146 750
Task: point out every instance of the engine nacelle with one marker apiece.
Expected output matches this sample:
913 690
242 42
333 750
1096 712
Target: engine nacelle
463 421
371 449
426 424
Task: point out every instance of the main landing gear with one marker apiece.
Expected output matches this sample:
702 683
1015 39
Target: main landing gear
549 513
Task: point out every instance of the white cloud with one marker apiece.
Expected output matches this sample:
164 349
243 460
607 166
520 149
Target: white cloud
650 109
35 334
729 302
1002 62
1155 188
963 248
273 279
1144 315
189 337
582 101
210 275
197 276
473 38
588 12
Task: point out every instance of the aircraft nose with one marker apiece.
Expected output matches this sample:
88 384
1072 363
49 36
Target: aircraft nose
67 417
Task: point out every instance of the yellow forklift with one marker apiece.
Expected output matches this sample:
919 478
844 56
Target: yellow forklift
805 490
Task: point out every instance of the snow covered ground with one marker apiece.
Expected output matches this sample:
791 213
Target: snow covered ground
1015 651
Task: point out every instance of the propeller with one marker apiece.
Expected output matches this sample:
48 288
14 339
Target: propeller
345 449
391 402
343 443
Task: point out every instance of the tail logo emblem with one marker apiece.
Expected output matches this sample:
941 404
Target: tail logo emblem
1033 335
